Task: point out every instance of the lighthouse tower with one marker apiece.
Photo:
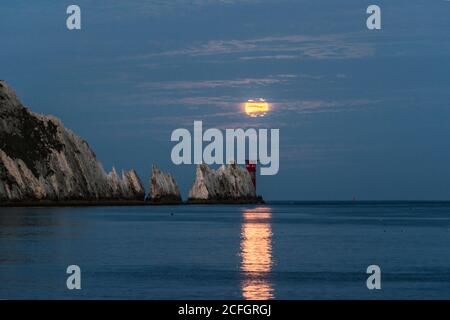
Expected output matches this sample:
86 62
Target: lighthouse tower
251 168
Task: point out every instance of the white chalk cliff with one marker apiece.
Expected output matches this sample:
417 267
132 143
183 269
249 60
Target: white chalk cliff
163 188
42 160
229 183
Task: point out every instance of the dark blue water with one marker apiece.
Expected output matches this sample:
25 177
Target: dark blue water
278 251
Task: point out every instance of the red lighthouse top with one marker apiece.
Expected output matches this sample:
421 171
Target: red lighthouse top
251 168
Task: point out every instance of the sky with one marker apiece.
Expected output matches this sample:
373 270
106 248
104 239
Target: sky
362 113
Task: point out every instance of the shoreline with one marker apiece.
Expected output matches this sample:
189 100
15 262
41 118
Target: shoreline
122 203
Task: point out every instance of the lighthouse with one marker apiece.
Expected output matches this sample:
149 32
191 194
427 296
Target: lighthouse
251 168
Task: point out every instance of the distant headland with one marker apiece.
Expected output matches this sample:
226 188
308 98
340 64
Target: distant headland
42 163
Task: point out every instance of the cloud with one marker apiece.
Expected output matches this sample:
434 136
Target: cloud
331 46
211 84
222 101
223 110
189 93
315 106
270 57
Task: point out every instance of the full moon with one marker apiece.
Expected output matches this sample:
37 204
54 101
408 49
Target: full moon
256 108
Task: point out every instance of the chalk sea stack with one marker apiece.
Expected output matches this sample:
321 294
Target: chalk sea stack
41 160
163 188
228 184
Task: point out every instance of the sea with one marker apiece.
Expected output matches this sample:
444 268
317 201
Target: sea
281 250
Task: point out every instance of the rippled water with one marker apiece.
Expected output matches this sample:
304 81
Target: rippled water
277 251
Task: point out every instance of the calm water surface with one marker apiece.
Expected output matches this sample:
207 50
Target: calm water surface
277 251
